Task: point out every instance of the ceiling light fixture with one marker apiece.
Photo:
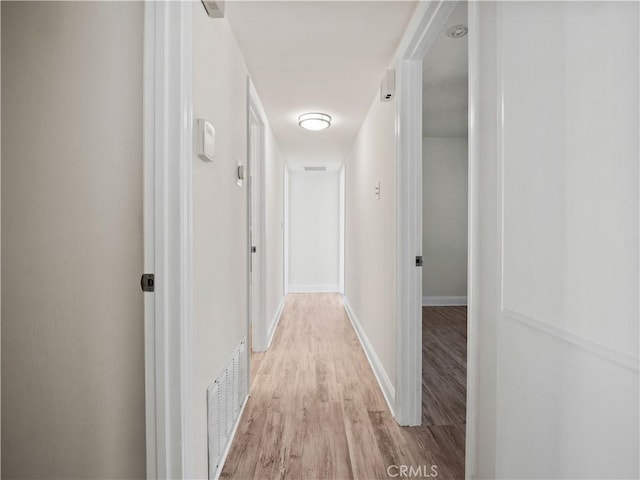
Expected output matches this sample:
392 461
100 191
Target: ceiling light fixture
314 121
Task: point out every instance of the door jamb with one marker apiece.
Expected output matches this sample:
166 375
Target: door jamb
168 235
341 275
285 216
425 26
260 335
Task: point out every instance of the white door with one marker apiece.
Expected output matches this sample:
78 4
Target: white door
555 185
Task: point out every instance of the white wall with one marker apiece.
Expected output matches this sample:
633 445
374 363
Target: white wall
558 228
314 231
220 215
73 402
444 220
370 286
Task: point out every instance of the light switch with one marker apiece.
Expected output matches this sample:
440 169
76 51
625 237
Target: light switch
206 141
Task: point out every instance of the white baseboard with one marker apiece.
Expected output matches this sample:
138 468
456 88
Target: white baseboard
313 289
275 322
444 301
388 390
231 437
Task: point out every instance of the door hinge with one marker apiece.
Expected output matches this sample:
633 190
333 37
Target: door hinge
253 249
419 261
148 282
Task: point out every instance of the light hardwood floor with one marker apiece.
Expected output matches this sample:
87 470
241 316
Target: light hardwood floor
316 411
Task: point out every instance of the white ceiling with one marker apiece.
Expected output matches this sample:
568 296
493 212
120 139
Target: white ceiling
445 99
317 56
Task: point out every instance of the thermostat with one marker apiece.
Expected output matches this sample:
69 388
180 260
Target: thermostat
206 141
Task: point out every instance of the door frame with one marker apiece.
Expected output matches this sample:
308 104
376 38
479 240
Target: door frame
168 237
285 226
343 226
426 24
255 172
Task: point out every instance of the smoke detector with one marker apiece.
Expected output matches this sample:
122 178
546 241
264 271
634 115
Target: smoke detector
388 86
457 31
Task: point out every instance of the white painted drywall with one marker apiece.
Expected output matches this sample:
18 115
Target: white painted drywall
219 214
274 226
314 231
444 218
73 402
445 82
558 365
370 285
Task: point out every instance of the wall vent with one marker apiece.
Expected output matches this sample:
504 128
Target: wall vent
315 169
225 397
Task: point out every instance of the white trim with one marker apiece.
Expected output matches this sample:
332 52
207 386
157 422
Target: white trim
314 288
168 156
149 180
444 301
274 322
227 449
255 114
286 229
376 365
602 351
424 27
409 244
473 227
342 228
247 183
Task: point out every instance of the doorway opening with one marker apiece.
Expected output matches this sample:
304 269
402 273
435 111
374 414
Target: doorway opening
257 327
445 83
437 77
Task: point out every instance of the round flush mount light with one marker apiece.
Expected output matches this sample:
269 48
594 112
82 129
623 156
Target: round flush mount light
458 31
314 121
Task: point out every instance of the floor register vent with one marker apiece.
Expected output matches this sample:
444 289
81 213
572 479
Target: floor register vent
225 397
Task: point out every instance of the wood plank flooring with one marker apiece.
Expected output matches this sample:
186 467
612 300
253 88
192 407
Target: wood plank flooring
444 377
444 365
317 412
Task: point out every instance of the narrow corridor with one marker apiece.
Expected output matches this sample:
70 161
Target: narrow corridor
316 411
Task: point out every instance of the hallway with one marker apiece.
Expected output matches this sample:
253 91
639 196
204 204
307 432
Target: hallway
316 411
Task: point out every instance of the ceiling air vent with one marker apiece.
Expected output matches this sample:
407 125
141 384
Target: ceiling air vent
315 169
214 8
